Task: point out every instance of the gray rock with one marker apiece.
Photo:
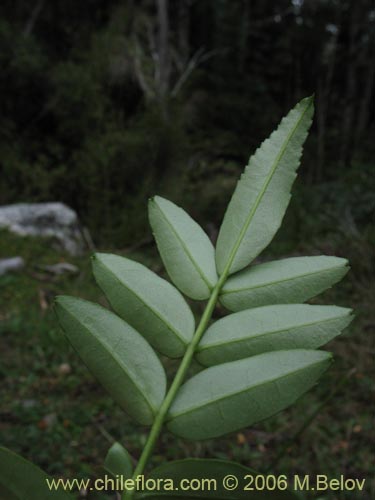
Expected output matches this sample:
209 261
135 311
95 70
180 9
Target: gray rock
29 403
11 264
60 268
53 220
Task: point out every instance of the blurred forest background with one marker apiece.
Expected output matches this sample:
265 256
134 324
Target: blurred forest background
104 104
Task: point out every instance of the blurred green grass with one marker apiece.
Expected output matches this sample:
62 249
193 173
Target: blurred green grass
54 413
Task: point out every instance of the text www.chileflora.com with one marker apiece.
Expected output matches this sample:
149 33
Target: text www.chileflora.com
141 483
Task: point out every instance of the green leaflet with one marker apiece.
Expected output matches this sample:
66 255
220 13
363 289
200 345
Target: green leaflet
147 302
22 480
118 356
118 461
195 469
271 328
262 195
185 248
285 281
228 397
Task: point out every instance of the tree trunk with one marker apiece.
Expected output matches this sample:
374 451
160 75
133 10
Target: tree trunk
368 92
33 18
324 93
243 36
164 62
351 85
183 33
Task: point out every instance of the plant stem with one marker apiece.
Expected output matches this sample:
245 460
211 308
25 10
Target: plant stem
177 381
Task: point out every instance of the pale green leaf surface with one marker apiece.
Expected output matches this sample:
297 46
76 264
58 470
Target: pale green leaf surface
262 195
117 355
214 470
22 480
285 281
271 328
147 302
118 461
231 396
185 248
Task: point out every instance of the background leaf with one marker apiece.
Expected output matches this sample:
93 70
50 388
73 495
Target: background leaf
285 281
195 468
228 397
185 248
262 195
118 461
118 356
147 302
23 480
271 328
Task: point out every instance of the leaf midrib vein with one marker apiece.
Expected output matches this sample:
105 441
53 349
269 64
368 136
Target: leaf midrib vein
151 309
194 263
270 283
271 332
119 362
229 395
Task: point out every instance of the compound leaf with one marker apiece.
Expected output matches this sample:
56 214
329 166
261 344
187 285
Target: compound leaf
23 480
228 397
147 302
262 195
118 356
285 281
118 461
185 248
271 328
206 478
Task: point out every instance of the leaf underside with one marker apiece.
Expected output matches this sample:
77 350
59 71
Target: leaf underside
22 480
147 302
118 461
262 195
271 328
230 396
117 355
185 248
287 281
